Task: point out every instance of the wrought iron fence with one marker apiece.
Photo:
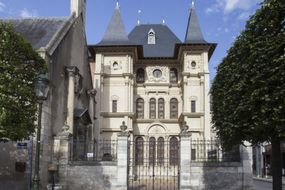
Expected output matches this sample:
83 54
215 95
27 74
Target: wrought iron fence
95 150
212 151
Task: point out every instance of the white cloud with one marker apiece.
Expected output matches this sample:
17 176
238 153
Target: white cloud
228 6
244 16
28 14
2 6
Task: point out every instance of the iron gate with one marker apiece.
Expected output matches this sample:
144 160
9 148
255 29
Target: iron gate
154 164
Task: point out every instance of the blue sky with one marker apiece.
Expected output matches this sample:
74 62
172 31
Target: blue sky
221 20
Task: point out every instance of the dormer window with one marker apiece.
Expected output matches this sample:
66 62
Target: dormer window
151 37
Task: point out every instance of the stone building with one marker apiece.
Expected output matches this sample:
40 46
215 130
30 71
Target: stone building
152 80
62 43
152 98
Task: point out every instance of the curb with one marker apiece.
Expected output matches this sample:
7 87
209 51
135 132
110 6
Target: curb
266 179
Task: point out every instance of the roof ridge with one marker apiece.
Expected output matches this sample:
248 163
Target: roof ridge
37 18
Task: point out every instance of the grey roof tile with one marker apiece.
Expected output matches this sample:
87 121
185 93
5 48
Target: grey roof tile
165 40
37 31
194 33
115 33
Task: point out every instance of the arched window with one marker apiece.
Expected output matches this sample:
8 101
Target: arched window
152 143
173 151
161 108
152 108
140 108
173 108
173 75
140 76
139 151
160 151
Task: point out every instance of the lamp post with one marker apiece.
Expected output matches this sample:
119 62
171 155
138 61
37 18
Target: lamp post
41 89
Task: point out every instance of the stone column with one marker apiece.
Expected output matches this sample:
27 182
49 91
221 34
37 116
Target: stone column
185 158
122 156
246 159
61 156
72 71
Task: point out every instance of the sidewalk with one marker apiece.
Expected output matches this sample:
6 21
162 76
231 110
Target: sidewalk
267 179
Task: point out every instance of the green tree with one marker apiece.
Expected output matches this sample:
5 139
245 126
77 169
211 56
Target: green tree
19 66
249 89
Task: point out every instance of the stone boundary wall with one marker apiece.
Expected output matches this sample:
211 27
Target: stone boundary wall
217 176
91 176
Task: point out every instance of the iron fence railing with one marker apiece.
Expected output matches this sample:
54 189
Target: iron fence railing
212 151
94 150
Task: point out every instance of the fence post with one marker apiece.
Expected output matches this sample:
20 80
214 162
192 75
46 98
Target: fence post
246 159
122 163
185 160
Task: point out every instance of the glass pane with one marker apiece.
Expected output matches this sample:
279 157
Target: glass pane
152 150
173 151
160 151
139 151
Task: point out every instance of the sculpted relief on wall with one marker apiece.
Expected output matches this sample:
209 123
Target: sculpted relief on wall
157 74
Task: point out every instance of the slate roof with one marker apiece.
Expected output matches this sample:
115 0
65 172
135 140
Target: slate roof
165 40
115 33
194 33
37 31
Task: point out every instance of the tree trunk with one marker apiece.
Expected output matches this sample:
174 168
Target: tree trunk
276 164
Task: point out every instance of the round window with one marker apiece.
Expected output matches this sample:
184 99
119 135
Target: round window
157 73
193 64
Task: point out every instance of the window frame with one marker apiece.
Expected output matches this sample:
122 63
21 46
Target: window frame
152 112
161 102
140 113
172 102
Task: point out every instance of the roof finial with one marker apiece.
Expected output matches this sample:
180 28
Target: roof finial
193 4
117 4
163 21
139 13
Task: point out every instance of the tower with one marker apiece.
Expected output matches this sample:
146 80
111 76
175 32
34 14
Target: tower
78 7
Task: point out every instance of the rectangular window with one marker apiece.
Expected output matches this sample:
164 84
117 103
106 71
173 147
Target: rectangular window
193 154
114 106
193 106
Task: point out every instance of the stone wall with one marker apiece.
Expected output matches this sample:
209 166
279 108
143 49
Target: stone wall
15 168
98 176
216 176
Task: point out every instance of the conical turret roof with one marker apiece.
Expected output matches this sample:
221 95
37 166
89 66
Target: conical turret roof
194 33
115 33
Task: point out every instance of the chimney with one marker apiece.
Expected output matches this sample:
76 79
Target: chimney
78 7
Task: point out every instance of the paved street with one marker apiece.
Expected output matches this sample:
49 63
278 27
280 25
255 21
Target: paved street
263 185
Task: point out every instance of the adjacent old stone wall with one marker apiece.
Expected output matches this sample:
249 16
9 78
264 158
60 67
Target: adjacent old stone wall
14 176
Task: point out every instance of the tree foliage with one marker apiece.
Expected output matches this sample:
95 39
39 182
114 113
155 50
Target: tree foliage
19 66
249 88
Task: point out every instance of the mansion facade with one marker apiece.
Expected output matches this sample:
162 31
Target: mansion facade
152 81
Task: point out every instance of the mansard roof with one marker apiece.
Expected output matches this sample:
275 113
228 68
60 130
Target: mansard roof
115 33
38 31
194 33
164 43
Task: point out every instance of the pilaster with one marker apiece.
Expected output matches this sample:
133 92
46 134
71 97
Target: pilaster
122 163
185 158
71 71
246 159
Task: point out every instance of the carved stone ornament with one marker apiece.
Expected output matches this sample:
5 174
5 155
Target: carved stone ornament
65 131
124 131
184 130
164 74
